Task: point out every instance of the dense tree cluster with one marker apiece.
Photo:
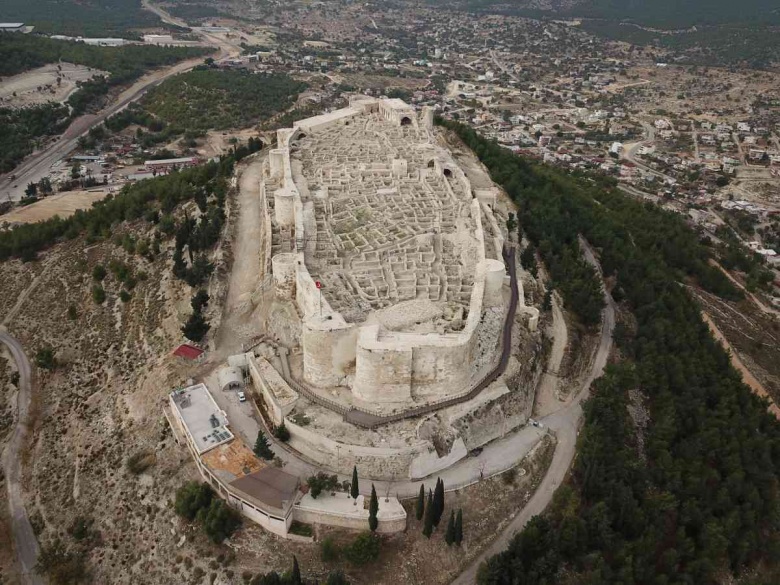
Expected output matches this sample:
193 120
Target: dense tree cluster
755 45
23 128
146 199
697 496
322 482
90 18
209 98
197 501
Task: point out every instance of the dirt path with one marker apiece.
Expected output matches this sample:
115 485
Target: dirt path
750 295
747 376
25 542
547 396
247 263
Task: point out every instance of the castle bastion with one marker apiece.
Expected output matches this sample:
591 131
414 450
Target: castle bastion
384 255
393 298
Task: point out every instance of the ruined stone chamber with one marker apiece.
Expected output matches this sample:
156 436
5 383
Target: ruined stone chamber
393 264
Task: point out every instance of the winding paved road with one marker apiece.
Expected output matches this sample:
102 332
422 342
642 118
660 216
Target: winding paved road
38 165
565 424
25 542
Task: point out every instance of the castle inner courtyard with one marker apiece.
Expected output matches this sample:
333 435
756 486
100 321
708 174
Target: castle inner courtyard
392 260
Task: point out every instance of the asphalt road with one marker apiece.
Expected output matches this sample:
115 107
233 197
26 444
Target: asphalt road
565 424
38 165
25 542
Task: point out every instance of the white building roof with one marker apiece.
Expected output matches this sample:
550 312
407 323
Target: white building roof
204 421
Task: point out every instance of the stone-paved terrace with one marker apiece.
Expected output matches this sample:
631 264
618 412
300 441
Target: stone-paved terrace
381 237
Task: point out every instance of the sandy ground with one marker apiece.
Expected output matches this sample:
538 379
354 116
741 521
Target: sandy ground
548 398
40 85
63 204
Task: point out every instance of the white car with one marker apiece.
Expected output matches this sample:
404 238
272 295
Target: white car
241 397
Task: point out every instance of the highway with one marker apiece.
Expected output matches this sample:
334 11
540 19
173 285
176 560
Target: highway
25 543
39 164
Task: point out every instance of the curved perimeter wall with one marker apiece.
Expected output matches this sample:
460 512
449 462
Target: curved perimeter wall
388 367
380 463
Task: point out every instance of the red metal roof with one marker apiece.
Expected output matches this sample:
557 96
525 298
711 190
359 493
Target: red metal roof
188 351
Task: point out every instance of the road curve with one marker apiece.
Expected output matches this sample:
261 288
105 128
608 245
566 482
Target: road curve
25 543
565 424
38 165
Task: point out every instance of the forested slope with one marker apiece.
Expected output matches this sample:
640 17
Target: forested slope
89 18
20 52
23 129
689 498
209 98
151 199
681 13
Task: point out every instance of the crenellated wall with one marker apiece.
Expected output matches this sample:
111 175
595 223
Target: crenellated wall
383 366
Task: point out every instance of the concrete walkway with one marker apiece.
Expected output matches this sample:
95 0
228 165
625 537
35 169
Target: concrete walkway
25 543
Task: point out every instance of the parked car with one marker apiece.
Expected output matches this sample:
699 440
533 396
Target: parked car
241 397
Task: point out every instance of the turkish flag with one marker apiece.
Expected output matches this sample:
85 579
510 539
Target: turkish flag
318 283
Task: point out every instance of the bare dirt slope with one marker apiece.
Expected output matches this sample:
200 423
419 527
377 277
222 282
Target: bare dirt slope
50 83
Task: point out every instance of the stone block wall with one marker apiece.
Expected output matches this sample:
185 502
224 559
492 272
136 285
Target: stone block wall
328 352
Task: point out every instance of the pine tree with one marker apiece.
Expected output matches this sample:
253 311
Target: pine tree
354 490
428 524
295 577
459 527
373 508
421 503
262 447
438 502
449 536
282 433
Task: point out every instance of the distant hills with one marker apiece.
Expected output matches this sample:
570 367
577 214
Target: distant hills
667 14
681 13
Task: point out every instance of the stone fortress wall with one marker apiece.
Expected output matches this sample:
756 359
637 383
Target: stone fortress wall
441 254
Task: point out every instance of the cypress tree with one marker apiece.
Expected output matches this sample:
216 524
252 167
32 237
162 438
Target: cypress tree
421 503
373 508
295 577
262 447
459 527
353 489
449 536
438 502
428 524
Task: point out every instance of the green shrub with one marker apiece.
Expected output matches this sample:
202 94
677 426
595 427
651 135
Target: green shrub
363 550
191 498
329 550
140 462
98 294
45 358
219 520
